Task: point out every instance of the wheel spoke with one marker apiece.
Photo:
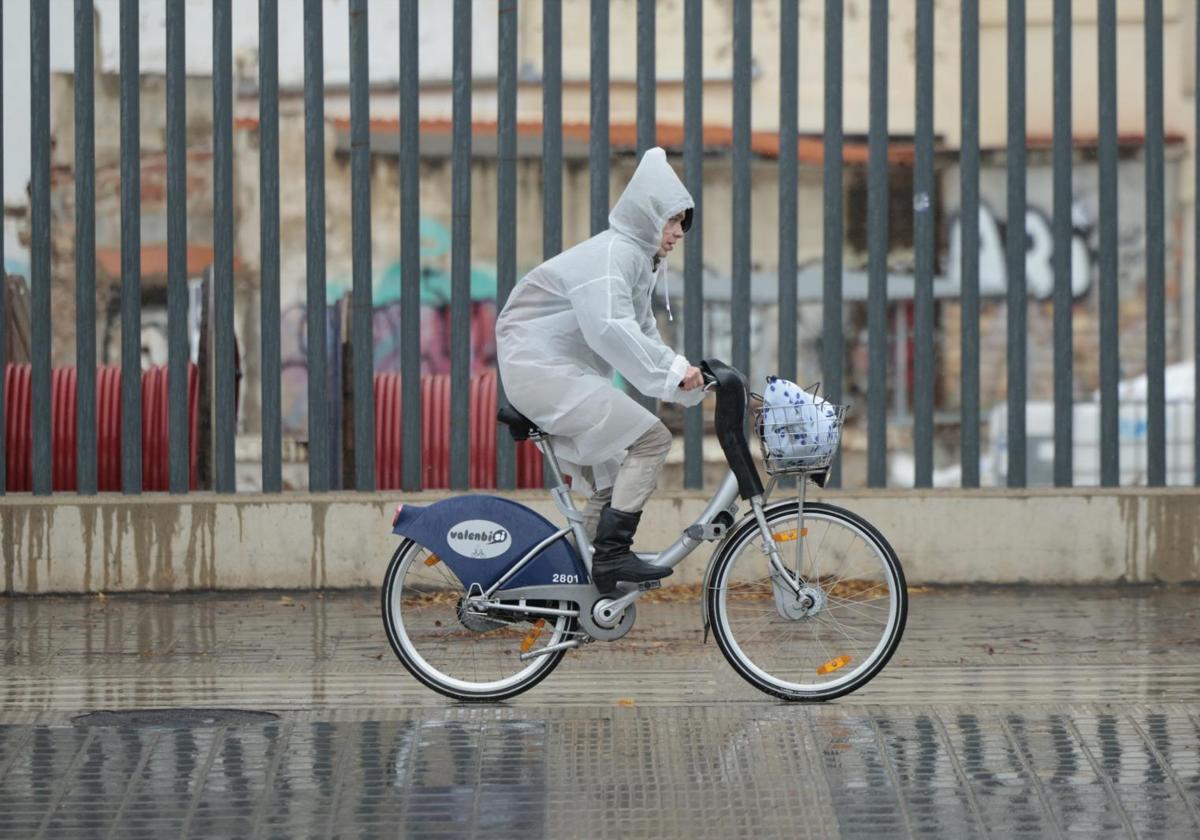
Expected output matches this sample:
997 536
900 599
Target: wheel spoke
829 608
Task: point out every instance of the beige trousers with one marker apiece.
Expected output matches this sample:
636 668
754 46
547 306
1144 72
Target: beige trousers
636 480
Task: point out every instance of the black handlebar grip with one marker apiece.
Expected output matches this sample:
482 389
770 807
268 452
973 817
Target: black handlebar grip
730 423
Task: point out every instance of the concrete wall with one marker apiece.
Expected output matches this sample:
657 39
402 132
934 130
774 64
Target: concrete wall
160 543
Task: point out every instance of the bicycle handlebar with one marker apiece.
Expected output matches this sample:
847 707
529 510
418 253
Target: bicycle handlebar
710 381
729 421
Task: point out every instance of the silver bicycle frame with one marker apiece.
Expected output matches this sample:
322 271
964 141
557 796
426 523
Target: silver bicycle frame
723 500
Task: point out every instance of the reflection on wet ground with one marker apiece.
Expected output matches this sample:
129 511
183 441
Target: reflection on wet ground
1005 713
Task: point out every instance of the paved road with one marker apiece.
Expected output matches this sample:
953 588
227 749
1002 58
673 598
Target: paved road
1008 712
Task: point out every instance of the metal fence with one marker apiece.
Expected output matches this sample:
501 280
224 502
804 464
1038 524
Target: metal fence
321 464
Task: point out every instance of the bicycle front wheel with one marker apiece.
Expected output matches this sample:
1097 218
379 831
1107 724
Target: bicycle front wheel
464 655
832 636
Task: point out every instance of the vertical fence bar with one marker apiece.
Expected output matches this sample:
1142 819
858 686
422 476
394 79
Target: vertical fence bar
506 192
1110 445
551 128
85 250
39 247
460 254
740 289
646 134
1195 268
362 339
1156 329
224 405
1015 244
410 247
969 231
314 194
789 32
1063 356
131 255
693 255
598 142
646 115
552 146
923 242
831 334
268 178
877 246
3 282
177 292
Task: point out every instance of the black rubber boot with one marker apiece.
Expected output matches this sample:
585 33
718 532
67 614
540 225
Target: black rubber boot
613 560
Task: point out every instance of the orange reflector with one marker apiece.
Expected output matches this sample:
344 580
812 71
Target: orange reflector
432 560
788 536
833 665
533 635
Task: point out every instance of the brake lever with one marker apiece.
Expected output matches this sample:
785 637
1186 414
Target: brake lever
710 380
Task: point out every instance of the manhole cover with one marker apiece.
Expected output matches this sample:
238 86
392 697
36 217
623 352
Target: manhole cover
175 717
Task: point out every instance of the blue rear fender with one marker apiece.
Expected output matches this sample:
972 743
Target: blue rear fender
480 537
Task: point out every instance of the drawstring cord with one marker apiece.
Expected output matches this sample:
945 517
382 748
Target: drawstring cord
661 271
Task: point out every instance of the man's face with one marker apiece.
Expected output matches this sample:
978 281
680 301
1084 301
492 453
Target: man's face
672 233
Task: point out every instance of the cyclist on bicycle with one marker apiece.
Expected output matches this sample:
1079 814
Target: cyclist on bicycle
568 325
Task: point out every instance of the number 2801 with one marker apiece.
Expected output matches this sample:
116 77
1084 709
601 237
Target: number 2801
559 578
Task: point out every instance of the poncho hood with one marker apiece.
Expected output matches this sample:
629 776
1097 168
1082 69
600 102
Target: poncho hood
653 195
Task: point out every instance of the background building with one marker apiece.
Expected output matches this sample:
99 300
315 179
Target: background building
435 199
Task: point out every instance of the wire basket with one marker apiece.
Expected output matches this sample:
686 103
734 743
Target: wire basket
799 439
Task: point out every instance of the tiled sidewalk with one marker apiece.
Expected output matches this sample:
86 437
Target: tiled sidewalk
1005 712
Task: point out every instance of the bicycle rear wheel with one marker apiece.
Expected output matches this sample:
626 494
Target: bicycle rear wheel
458 653
838 632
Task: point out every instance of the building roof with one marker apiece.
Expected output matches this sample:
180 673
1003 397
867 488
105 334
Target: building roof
154 260
436 137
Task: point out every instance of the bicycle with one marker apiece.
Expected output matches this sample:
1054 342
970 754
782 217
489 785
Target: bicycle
806 600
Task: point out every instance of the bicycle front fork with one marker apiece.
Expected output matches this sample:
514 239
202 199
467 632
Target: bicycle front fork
787 584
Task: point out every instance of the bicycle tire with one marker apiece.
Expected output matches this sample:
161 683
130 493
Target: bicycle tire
427 675
717 581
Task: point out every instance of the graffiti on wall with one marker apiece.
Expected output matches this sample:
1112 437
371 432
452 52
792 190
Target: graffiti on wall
386 325
386 332
1039 252
154 332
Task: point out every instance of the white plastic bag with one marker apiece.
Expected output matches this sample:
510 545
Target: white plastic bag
797 425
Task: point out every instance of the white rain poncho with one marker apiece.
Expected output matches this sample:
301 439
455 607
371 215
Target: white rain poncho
576 318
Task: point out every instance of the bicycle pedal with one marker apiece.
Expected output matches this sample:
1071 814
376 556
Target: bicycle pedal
650 584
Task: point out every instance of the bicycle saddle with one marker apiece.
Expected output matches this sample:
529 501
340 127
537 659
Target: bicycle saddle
519 426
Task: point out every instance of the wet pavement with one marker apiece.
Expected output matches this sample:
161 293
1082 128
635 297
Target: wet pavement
1008 712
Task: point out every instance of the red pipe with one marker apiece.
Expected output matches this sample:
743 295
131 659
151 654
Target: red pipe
436 425
108 432
16 436
64 384
64 429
